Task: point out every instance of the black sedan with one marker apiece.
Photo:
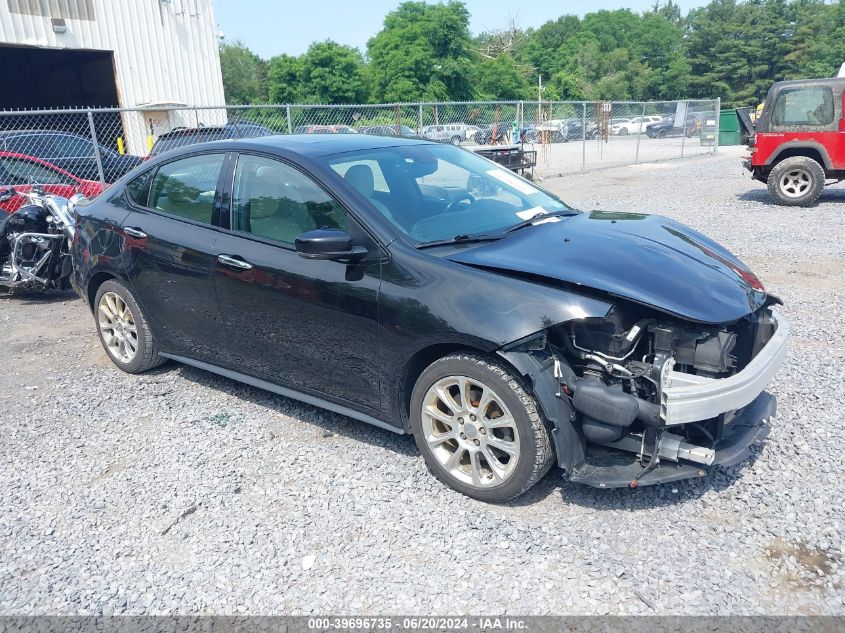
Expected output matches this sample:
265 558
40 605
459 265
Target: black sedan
426 290
71 152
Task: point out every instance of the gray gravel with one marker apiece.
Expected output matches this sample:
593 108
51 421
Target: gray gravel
179 491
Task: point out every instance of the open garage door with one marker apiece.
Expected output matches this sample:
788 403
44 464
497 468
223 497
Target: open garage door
41 78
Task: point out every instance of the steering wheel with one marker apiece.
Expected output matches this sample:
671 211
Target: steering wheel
465 196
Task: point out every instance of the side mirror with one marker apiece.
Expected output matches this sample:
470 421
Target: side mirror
328 244
7 194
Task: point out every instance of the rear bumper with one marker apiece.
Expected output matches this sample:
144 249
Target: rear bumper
606 468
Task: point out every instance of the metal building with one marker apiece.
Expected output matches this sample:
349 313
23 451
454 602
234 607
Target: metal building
144 54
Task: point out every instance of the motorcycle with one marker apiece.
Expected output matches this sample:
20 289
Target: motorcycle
35 241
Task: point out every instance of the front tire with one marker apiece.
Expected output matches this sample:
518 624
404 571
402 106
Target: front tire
797 181
479 428
455 140
123 330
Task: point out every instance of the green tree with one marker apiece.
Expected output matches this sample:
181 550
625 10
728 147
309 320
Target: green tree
423 52
332 73
284 76
244 74
501 78
736 50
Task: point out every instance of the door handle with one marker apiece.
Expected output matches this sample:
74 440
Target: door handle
134 232
234 262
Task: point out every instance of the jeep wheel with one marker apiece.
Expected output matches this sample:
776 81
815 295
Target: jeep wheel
479 428
796 181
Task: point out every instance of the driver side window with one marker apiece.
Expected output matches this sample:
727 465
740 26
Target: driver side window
25 171
276 201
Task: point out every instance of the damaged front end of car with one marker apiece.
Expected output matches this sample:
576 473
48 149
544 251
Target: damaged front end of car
640 397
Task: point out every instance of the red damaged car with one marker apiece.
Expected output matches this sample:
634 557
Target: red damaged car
18 172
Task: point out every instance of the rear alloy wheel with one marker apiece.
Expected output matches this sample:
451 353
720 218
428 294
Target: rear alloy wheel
479 429
623 131
455 140
796 181
123 330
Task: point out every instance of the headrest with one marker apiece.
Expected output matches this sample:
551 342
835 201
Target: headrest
361 177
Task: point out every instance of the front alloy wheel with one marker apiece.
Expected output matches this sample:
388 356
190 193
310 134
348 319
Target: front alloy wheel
470 431
479 427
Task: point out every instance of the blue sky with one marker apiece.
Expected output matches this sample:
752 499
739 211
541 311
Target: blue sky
271 27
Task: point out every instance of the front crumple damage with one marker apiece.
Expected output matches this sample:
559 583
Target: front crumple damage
639 397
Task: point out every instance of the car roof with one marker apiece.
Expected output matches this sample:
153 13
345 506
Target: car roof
7 133
308 144
838 82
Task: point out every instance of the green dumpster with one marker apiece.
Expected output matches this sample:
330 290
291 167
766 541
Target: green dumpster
729 129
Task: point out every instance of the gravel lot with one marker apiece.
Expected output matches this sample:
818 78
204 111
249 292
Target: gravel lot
179 491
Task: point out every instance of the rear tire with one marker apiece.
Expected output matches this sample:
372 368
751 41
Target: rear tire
797 181
491 445
123 330
455 140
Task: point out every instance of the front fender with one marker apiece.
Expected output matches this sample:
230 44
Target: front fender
538 368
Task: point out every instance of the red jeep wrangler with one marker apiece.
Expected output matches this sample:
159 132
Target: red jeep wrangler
800 139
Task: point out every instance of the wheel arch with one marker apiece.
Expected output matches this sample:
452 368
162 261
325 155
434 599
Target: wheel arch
94 283
807 149
424 357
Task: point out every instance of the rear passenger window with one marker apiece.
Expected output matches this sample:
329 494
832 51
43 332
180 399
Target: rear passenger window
136 189
186 187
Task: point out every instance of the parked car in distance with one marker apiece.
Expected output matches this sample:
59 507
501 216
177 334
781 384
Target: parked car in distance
20 173
454 133
182 136
388 130
71 152
565 130
633 125
418 287
799 141
494 134
667 127
323 129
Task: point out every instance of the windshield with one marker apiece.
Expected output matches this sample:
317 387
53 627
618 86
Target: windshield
438 192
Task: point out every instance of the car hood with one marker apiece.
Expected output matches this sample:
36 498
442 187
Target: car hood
647 259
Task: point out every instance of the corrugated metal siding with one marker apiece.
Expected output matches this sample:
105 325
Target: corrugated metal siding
70 9
163 52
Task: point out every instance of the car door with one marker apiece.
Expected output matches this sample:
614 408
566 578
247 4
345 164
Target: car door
169 240
305 323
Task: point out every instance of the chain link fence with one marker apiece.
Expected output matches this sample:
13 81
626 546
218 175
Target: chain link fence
64 146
